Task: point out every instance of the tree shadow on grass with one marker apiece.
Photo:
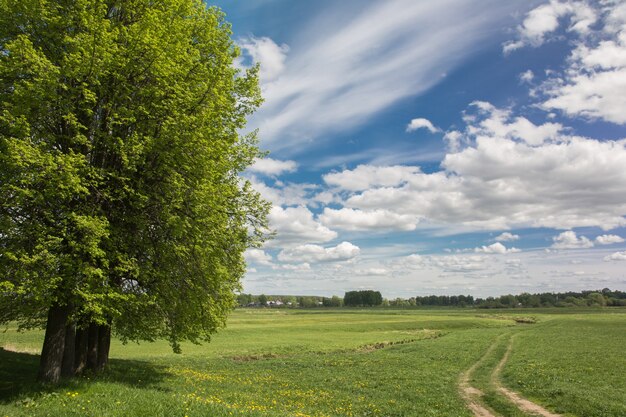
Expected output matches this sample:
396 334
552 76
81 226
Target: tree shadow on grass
18 372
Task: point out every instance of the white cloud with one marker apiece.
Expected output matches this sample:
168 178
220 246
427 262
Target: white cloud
454 263
285 194
365 62
569 240
617 256
616 16
273 167
372 271
410 262
351 219
270 56
441 263
315 253
545 20
501 123
421 123
325 197
496 248
258 256
294 267
507 237
514 263
367 176
605 55
454 140
593 84
296 225
527 76
476 274
599 94
505 177
609 239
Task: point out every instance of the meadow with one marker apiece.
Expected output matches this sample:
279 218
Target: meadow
346 362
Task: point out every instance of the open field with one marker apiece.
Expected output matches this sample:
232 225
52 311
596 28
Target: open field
347 363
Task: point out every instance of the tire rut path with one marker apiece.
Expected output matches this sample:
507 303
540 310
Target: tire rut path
520 402
472 396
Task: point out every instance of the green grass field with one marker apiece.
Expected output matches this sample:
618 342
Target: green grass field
343 363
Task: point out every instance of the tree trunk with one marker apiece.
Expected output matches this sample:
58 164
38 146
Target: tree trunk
53 345
92 347
80 362
69 352
104 344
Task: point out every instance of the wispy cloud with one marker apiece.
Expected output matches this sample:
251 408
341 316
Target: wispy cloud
389 51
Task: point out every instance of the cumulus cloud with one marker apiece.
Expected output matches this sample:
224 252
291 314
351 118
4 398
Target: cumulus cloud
501 123
364 177
351 219
265 52
336 81
258 256
273 167
527 76
593 84
545 20
511 173
454 140
294 225
444 263
593 95
315 253
507 237
421 123
294 267
617 256
496 248
286 194
410 262
569 240
609 239
454 263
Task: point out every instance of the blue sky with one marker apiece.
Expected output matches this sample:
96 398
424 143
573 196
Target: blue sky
450 147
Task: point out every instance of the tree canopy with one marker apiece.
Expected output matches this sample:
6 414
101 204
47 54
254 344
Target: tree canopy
362 298
121 202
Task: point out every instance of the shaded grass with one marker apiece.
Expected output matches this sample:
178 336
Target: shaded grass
17 370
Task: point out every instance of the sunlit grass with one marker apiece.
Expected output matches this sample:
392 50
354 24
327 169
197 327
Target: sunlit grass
302 363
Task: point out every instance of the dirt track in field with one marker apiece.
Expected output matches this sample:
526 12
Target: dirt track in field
522 403
472 396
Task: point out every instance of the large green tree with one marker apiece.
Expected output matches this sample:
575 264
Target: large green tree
121 204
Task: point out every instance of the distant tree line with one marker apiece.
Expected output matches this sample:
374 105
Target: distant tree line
434 300
370 298
605 297
365 298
